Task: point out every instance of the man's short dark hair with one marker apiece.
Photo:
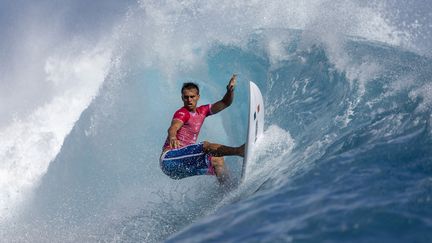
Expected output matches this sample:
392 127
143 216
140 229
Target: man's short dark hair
190 85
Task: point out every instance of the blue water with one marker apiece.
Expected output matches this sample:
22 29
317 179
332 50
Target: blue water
364 180
345 157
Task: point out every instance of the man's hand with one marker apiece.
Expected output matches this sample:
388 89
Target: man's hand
174 143
228 97
232 83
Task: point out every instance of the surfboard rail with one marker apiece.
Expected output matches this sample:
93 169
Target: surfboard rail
255 125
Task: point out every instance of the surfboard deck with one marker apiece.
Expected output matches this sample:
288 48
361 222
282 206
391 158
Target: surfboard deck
255 125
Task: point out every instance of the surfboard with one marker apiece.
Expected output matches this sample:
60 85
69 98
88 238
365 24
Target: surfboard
255 125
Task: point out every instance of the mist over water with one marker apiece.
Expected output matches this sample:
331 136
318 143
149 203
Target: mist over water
88 89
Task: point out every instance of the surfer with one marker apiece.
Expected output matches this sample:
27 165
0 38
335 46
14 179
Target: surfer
181 155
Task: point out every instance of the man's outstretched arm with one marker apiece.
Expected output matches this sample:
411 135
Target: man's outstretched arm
172 133
228 97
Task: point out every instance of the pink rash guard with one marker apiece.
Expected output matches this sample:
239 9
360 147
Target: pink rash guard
192 122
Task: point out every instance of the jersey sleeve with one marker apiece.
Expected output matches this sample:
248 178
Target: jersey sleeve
206 110
181 115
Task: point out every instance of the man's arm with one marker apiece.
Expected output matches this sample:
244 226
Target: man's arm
172 133
228 97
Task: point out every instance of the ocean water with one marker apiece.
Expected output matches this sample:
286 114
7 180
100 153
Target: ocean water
88 91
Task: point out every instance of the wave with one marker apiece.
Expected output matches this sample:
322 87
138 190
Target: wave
346 141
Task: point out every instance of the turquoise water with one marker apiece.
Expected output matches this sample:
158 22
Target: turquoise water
361 157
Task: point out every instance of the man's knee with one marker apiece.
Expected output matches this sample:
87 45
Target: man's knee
206 146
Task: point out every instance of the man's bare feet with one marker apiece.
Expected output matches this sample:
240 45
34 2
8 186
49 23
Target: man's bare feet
242 150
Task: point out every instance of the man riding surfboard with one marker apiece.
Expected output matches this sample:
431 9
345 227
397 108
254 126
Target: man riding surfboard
181 156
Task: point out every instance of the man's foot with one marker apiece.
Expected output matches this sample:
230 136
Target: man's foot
228 185
242 150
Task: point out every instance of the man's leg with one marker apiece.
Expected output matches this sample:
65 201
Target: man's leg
220 150
222 174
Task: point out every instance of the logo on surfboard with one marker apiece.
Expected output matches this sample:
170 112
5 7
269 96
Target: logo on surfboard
256 122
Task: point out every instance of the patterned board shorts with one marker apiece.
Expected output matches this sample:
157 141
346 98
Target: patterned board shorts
186 161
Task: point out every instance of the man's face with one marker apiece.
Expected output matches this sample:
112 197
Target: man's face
190 99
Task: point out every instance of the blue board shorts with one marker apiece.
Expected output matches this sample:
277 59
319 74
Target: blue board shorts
186 161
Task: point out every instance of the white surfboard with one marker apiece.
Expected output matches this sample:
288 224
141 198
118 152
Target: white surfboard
255 125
